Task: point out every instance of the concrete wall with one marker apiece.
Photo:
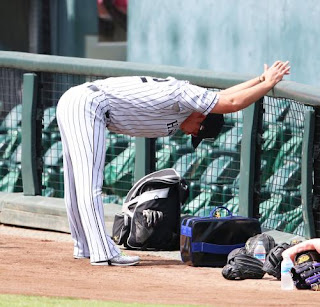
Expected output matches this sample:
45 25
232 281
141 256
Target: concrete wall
71 21
227 35
14 25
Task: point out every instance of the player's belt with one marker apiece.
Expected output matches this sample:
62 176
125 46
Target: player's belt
93 88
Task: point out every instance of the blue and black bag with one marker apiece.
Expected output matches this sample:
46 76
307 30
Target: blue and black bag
207 241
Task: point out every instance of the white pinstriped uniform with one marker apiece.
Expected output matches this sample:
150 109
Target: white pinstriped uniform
136 106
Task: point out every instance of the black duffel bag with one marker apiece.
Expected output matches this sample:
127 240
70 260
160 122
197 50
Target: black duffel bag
207 241
150 217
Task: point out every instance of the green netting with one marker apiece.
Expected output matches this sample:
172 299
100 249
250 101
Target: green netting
212 171
120 153
10 130
280 203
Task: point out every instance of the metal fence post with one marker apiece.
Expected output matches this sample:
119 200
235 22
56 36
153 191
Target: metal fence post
306 174
31 177
144 158
249 185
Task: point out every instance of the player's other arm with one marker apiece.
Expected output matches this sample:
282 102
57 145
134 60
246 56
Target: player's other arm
244 94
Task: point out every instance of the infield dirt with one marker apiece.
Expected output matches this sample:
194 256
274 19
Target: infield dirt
41 263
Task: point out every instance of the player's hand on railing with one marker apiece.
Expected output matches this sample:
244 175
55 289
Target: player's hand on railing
275 73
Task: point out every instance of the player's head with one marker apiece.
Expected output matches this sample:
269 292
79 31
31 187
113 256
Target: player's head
209 128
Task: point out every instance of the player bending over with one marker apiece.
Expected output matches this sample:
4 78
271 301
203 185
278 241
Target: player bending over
136 106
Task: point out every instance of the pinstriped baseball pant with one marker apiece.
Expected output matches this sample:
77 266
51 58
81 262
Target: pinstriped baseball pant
81 116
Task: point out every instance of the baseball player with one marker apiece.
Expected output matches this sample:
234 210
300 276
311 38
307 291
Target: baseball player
136 106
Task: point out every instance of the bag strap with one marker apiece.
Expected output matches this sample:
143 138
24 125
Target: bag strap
148 195
167 175
126 206
203 247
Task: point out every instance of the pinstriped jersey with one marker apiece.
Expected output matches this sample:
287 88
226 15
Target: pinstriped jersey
152 107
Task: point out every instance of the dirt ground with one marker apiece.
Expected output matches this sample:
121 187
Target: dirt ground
41 263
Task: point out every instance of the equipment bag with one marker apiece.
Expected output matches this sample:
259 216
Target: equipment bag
150 217
207 241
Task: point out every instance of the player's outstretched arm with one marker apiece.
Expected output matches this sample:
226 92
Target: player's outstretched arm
312 244
233 101
249 83
246 84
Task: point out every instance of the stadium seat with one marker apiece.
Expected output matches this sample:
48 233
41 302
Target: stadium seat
300 229
163 141
229 140
295 116
53 156
52 177
204 200
286 222
219 173
9 143
180 138
4 168
289 150
229 191
178 150
232 204
232 139
50 119
273 139
222 170
50 130
116 144
233 119
163 158
112 199
118 174
10 140
287 177
293 219
276 111
12 179
12 119
267 212
191 165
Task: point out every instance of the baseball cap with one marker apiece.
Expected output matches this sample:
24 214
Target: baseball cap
209 128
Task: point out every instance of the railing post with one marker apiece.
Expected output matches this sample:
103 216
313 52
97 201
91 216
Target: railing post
31 176
249 185
306 174
145 157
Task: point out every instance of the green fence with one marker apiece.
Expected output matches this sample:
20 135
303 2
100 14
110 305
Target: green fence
264 163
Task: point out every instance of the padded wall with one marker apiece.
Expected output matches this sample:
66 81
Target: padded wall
228 36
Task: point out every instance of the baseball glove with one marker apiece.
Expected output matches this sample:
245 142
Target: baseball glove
267 240
306 270
235 252
152 217
242 266
272 265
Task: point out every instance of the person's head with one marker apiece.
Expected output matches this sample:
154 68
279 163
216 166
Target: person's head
209 128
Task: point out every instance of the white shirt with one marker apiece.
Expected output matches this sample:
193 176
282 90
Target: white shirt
152 107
